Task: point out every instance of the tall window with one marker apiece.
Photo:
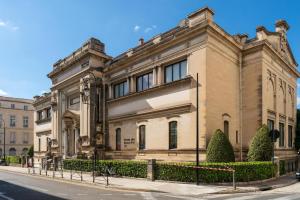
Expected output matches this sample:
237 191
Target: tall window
48 113
39 144
1 120
25 138
281 137
25 122
12 138
25 107
290 135
12 121
175 71
12 152
226 128
40 115
270 124
173 135
144 82
118 139
12 106
142 137
120 89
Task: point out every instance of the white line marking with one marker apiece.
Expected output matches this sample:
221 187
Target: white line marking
35 188
181 197
62 194
290 197
148 196
82 194
244 197
2 195
129 194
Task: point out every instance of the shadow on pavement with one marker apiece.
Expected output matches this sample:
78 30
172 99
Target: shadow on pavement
16 192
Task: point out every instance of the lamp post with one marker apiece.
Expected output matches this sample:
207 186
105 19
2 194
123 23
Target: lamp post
3 122
85 95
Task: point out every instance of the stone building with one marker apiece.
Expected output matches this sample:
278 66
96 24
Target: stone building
142 103
16 116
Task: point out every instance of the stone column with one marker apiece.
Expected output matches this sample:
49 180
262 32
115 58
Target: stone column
132 84
110 91
76 140
154 77
65 137
159 75
151 169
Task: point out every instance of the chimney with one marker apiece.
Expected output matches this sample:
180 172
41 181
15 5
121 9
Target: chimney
141 41
281 26
200 16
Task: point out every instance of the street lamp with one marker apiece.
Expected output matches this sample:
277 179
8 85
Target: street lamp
85 96
3 122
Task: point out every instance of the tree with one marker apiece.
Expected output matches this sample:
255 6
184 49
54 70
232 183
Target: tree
219 148
30 152
261 146
297 138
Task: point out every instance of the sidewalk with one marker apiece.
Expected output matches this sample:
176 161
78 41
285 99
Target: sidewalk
154 186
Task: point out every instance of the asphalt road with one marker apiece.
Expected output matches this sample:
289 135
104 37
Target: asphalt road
22 187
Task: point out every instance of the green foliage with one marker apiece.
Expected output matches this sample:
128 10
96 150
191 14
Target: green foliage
13 159
297 138
136 169
282 169
244 171
261 147
219 148
30 152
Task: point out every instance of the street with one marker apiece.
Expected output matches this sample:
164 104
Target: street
15 186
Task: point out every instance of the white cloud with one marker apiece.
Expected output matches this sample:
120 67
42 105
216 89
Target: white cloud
148 29
3 93
298 85
298 101
8 25
136 28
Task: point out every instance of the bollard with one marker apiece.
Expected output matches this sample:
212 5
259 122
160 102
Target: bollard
53 174
233 180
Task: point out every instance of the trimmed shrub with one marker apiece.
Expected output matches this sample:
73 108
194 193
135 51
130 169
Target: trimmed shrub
282 169
261 146
219 148
136 169
244 171
13 159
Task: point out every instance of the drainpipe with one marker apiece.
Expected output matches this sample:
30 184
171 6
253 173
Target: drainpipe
241 103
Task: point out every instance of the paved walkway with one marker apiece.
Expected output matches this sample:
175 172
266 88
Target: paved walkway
151 186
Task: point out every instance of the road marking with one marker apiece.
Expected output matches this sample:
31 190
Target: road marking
82 194
36 188
107 194
181 197
290 197
243 197
2 195
128 194
62 194
148 196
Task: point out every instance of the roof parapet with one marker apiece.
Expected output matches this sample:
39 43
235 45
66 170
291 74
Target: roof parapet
200 15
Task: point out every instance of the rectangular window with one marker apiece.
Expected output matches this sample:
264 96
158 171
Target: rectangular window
40 115
1 120
120 89
12 138
144 82
48 113
290 141
25 107
175 71
25 122
281 137
12 121
236 137
39 144
142 137
25 138
173 135
270 124
12 106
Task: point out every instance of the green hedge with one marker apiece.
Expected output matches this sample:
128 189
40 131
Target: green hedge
13 159
282 169
244 171
136 169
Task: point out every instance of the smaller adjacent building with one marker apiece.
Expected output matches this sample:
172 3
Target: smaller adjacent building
42 126
16 116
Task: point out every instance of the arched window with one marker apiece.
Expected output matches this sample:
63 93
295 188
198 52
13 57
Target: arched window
226 128
142 137
118 139
12 152
173 135
0 152
24 151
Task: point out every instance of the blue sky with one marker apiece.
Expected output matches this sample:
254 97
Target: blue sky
34 33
